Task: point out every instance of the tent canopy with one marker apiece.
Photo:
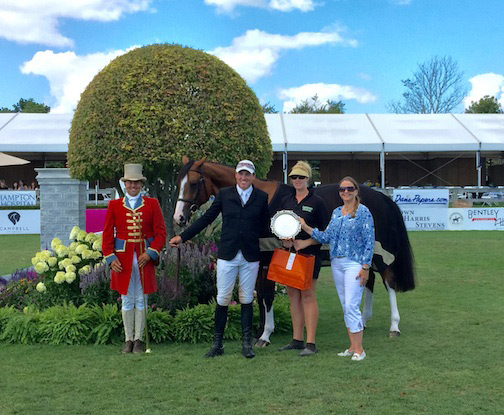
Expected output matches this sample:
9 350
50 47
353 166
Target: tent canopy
304 133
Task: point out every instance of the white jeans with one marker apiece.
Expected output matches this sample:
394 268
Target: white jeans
134 298
350 291
227 271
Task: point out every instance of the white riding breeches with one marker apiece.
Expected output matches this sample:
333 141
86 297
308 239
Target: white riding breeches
350 291
135 297
227 271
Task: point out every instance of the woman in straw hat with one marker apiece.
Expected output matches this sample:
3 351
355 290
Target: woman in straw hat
303 304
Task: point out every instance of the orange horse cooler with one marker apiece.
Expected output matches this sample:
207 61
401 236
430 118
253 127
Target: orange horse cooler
292 269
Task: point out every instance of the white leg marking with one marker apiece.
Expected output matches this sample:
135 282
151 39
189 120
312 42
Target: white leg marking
367 313
180 205
394 311
269 324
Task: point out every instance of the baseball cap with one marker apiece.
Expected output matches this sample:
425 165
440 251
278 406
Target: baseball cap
245 165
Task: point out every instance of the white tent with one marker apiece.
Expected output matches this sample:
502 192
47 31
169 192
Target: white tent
305 134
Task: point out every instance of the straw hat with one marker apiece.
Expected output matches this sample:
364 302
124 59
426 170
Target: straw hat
301 168
133 172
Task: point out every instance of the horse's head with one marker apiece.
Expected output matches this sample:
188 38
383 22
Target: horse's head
192 190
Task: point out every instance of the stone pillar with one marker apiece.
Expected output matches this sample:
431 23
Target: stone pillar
62 205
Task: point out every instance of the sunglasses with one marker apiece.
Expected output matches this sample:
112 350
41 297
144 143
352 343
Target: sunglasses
348 189
295 177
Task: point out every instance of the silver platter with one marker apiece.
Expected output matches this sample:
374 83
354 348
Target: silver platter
285 224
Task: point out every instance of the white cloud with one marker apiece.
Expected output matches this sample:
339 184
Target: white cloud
335 92
402 2
280 5
37 21
491 84
68 74
254 54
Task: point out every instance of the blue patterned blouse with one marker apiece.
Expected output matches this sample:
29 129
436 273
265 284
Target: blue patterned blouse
349 237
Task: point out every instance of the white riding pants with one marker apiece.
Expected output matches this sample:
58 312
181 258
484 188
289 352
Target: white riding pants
227 271
135 297
350 291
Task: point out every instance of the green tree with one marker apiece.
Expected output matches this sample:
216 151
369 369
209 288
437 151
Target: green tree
314 106
435 88
157 103
486 105
269 108
28 106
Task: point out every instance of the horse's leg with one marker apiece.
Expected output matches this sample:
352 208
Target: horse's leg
265 296
368 299
394 312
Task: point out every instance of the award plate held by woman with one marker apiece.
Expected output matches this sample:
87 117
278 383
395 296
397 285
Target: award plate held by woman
285 224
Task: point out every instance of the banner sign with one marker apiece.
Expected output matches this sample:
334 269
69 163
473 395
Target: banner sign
424 219
18 198
421 197
17 222
482 218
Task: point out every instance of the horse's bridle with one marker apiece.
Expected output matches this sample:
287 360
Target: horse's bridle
194 202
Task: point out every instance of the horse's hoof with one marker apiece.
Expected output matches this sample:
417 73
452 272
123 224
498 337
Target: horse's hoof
394 333
261 343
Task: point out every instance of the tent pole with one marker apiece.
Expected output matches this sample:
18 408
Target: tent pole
478 166
382 167
285 155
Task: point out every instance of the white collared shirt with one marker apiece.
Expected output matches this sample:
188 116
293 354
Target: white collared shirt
244 194
132 200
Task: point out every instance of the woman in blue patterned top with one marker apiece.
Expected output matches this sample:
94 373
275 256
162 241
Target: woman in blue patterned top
350 234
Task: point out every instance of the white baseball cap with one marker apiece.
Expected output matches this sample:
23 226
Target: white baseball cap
245 165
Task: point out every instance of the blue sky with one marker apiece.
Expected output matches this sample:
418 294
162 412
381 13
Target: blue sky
356 51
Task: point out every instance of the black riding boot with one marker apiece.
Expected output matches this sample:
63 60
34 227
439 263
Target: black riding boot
220 323
247 312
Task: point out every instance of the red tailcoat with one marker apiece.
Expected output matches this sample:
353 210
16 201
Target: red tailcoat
130 230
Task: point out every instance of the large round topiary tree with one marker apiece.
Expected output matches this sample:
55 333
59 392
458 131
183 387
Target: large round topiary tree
157 103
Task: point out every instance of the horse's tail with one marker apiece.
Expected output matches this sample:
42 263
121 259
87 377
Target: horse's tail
402 267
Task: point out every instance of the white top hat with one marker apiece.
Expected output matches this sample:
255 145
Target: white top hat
133 172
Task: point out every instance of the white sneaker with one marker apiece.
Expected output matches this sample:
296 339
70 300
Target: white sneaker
358 357
346 353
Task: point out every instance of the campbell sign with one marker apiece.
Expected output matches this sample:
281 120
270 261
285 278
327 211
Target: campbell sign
423 209
16 222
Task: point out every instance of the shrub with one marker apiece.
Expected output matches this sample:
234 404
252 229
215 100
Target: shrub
161 326
108 326
5 314
22 327
195 324
66 324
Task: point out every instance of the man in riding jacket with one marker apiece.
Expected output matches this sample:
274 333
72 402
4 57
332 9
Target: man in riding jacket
245 218
133 236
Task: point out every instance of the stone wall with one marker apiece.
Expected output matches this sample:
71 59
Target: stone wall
62 205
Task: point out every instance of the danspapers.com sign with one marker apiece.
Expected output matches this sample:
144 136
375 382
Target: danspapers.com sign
18 198
17 222
423 209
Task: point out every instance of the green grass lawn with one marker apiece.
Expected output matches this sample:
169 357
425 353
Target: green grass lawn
16 251
448 359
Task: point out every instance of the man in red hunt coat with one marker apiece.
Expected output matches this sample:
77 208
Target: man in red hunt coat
133 237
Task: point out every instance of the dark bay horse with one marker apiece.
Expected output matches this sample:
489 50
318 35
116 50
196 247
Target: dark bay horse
393 259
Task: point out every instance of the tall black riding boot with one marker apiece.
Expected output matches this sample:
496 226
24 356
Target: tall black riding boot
220 323
247 312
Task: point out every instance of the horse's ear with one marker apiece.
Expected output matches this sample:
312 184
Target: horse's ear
199 162
185 160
